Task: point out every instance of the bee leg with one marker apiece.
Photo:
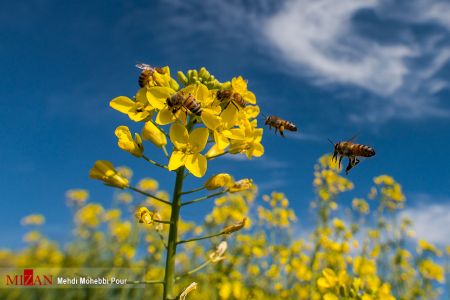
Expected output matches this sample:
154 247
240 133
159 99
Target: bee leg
356 162
340 159
281 130
334 156
235 105
349 166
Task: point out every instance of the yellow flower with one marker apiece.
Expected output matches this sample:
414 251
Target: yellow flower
241 185
328 279
152 133
120 230
219 181
250 145
104 170
188 148
138 110
431 270
34 219
329 296
148 184
144 215
90 215
125 197
157 96
78 196
425 246
383 179
239 85
32 236
127 143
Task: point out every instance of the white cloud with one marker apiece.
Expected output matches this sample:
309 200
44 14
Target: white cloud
320 36
326 41
431 221
323 37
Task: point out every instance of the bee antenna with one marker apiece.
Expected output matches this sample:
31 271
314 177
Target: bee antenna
331 142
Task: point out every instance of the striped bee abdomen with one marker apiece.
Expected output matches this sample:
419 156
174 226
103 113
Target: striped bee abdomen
363 150
192 105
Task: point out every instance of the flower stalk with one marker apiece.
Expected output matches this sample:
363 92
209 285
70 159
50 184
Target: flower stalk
169 276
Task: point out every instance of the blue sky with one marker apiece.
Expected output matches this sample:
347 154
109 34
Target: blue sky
374 67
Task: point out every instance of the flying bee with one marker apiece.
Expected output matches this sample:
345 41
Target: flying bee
279 124
227 96
352 151
188 102
146 72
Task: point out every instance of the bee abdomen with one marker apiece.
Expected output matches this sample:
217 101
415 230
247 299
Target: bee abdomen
193 105
143 78
290 126
363 150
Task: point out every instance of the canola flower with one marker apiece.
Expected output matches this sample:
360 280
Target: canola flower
267 260
162 102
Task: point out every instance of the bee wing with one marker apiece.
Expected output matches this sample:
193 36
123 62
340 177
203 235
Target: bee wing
144 66
353 138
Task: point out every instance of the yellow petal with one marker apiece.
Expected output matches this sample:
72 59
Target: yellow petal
196 164
152 133
249 97
157 96
213 151
141 96
211 121
257 150
239 85
122 104
221 140
198 139
179 136
229 116
164 117
177 159
204 95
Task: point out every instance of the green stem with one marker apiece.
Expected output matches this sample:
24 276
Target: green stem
165 151
169 276
193 191
149 195
200 238
204 198
162 221
217 155
206 263
154 162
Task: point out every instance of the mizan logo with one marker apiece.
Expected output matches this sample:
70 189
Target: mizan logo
28 279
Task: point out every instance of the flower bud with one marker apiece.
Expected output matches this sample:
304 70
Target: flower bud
219 181
182 78
204 73
241 185
104 170
152 133
235 227
127 143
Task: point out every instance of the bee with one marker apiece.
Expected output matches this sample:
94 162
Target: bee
352 151
189 103
280 124
226 97
146 72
